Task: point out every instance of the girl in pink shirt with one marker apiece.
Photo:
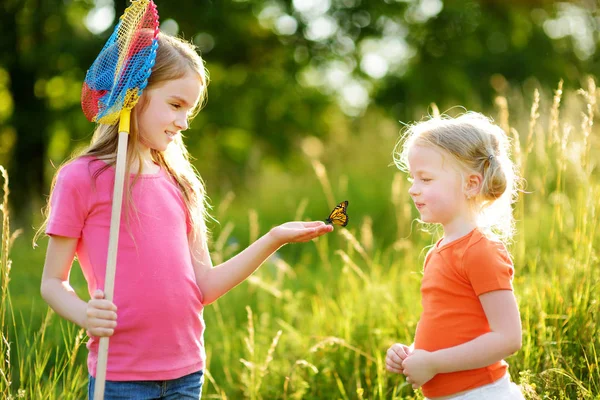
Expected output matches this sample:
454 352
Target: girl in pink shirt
165 276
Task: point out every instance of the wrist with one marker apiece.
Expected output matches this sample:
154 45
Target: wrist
435 361
274 241
82 319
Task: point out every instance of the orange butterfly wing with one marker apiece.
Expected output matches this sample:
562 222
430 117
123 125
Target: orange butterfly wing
338 216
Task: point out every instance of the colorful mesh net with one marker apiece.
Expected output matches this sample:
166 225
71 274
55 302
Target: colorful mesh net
119 74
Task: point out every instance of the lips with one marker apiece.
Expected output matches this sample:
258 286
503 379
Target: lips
419 205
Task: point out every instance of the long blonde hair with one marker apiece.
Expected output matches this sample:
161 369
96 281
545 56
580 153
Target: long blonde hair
478 146
174 59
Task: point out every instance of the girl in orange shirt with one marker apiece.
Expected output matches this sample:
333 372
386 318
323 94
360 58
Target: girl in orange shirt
462 178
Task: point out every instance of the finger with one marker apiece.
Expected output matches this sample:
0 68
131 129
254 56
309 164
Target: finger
394 356
394 370
101 324
101 332
312 234
309 234
98 294
318 231
393 363
101 314
400 350
313 224
303 237
103 305
324 229
394 367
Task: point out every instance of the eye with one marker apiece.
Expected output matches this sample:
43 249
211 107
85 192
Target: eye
176 106
426 179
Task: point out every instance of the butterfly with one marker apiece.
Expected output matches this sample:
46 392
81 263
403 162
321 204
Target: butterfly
338 216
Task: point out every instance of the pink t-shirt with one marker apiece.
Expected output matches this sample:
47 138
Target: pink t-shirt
160 327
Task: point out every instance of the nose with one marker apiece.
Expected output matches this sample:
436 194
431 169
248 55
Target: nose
182 123
413 190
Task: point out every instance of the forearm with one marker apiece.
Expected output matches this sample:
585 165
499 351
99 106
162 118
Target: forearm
218 280
61 297
478 353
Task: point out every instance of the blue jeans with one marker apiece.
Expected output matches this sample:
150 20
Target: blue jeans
187 387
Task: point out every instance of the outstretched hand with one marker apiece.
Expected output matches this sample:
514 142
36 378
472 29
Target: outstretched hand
298 231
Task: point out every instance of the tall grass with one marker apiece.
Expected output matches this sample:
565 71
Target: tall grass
314 322
32 367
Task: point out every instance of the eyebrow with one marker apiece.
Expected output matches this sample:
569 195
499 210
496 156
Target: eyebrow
181 100
420 171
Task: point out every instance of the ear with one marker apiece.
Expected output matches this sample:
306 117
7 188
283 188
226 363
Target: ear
473 185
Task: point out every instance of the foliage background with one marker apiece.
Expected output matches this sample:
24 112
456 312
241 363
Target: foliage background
302 90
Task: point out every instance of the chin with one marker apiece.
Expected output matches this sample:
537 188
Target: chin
160 147
428 219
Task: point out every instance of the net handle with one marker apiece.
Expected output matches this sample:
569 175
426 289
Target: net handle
111 261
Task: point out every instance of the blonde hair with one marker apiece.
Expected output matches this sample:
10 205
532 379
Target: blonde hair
174 59
479 146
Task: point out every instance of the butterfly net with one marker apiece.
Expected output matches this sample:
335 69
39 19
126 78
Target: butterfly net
119 74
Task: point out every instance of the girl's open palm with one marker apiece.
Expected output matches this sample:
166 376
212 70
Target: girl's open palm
298 231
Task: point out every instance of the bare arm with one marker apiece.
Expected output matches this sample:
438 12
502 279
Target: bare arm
98 316
502 313
216 281
500 307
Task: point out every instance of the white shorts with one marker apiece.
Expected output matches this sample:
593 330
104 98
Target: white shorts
502 389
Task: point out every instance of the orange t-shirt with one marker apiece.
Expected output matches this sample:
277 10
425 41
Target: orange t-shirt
454 277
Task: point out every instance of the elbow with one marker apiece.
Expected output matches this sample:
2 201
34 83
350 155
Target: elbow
208 296
518 343
207 299
206 302
48 289
514 343
205 296
44 290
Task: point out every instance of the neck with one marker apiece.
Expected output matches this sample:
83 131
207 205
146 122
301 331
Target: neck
145 156
458 228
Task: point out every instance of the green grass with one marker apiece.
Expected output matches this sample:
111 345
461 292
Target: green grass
315 321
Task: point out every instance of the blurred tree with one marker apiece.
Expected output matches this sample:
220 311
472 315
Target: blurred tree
256 108
472 50
42 44
401 54
272 61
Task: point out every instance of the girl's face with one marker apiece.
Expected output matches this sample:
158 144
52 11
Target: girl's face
437 186
167 110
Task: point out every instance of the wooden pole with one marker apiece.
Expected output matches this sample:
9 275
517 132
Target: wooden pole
113 241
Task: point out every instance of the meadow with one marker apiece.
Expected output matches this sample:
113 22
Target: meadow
315 320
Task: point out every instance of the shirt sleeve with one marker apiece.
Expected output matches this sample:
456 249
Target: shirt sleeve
68 204
428 256
488 267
